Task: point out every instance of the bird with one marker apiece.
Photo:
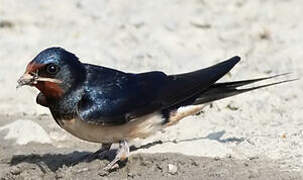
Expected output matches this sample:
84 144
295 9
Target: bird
107 106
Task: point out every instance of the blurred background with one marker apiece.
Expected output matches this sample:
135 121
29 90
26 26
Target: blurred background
173 36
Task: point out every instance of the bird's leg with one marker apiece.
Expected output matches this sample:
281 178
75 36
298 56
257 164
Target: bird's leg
122 154
101 153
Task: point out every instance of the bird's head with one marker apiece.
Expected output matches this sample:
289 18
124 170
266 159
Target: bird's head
54 71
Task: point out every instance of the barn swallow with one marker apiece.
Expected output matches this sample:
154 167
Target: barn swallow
106 106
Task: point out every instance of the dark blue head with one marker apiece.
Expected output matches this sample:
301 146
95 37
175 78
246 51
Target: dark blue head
54 71
55 55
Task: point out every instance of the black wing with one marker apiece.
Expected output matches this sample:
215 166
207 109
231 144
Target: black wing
113 97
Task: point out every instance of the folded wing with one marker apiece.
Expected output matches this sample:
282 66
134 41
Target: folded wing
114 97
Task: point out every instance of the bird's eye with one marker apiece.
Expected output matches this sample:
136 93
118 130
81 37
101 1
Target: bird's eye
52 69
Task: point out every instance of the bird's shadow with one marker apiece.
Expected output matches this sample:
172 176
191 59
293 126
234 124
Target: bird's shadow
56 161
216 136
52 161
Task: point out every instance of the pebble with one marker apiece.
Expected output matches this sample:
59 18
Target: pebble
15 170
130 175
172 169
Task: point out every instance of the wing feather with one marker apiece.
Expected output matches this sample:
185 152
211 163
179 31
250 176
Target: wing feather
114 97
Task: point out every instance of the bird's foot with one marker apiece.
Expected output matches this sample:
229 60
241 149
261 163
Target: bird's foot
122 155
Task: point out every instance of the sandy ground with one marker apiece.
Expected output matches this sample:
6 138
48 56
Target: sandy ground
257 135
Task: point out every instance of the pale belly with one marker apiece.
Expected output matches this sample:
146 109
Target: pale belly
138 128
141 127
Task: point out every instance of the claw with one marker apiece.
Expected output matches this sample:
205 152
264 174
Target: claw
122 154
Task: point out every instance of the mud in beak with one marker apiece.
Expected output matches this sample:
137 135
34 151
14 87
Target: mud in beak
27 79
32 79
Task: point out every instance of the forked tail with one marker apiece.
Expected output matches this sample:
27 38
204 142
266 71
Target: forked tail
223 90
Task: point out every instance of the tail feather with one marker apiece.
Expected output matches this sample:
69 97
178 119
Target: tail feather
188 86
246 82
223 90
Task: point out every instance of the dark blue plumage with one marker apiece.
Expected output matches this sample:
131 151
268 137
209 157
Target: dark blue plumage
101 95
112 97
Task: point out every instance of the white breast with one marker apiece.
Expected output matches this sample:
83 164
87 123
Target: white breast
136 128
